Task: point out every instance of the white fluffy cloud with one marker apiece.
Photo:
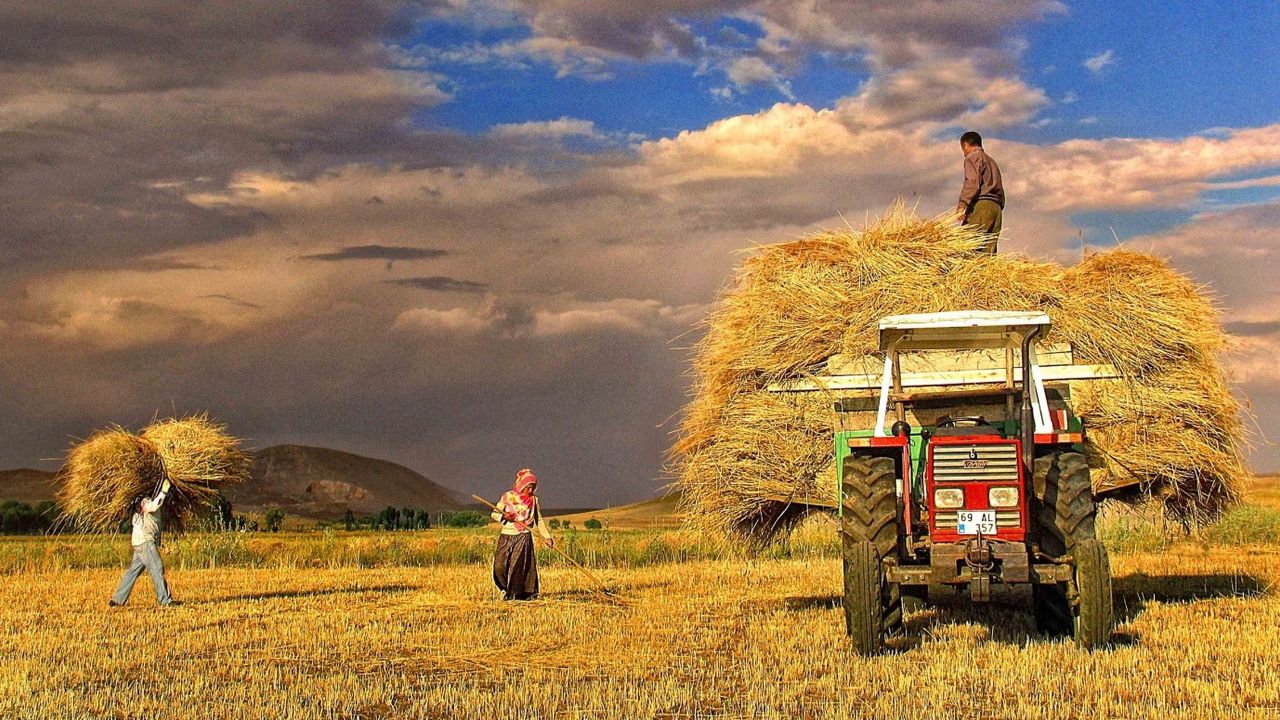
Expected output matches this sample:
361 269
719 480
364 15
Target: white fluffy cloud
1103 60
562 128
1135 173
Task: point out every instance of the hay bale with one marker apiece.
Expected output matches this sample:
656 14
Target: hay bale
1170 428
104 475
199 458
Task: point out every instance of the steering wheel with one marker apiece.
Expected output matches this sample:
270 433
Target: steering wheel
948 421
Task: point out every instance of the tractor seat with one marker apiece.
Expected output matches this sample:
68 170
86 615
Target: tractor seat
951 426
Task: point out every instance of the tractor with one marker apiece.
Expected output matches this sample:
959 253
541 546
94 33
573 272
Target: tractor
971 477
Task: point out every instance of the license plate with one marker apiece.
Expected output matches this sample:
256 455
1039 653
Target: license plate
972 522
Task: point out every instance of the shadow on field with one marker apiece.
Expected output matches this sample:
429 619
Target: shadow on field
318 592
1008 617
1133 592
812 602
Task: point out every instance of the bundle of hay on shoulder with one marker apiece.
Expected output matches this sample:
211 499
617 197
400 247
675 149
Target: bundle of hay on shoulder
104 476
1170 428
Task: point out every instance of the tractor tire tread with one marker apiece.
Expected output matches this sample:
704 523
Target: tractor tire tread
870 520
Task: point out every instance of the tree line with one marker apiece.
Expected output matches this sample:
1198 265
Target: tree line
17 518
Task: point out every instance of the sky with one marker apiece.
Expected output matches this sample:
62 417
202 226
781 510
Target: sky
470 236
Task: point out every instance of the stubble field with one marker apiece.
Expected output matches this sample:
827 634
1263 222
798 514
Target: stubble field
1199 638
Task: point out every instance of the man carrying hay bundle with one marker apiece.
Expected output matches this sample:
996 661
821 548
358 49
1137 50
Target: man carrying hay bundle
982 195
515 567
146 551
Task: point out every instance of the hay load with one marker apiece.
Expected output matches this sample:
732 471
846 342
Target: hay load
1169 428
104 475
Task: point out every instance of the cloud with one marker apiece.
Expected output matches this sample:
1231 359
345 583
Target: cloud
748 72
440 283
445 322
1133 173
233 300
564 127
1103 60
1252 329
591 38
564 318
377 252
114 113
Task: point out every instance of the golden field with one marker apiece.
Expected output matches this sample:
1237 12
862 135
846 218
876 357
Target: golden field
725 638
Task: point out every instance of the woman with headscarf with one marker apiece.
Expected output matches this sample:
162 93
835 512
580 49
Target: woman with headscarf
515 568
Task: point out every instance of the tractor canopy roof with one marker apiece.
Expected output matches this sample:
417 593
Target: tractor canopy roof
959 330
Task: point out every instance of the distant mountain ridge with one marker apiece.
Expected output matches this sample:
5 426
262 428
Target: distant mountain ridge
27 485
321 483
310 482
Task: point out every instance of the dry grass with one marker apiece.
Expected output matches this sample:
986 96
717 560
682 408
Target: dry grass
103 476
1171 428
729 639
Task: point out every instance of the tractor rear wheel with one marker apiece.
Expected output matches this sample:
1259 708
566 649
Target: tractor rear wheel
869 534
1065 514
1094 616
1065 509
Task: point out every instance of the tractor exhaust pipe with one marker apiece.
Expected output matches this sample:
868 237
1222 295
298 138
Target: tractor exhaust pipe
1028 424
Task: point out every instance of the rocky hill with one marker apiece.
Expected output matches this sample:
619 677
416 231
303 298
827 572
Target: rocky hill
308 482
321 483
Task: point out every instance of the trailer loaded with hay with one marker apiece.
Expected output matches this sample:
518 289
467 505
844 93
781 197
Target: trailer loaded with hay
963 413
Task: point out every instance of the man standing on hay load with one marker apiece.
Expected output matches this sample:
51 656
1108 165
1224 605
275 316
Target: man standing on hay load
982 195
515 567
146 551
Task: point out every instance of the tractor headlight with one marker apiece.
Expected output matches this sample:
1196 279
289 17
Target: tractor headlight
1003 496
948 498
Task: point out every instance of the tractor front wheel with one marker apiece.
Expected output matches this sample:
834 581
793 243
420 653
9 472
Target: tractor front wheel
1094 615
863 607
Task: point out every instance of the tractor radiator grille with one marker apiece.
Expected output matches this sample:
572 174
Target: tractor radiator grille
959 463
1004 519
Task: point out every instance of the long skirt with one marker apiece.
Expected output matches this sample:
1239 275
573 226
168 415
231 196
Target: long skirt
515 568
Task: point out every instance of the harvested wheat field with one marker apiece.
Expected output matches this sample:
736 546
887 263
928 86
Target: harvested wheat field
1199 638
747 460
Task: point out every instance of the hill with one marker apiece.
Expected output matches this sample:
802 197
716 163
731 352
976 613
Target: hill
26 485
321 483
662 512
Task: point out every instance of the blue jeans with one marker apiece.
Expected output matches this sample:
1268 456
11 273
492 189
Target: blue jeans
145 557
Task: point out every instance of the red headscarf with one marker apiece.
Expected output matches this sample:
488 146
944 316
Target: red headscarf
526 481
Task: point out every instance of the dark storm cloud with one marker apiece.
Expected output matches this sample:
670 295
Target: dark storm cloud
167 264
441 283
165 44
635 30
378 252
895 31
233 301
115 112
1252 329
